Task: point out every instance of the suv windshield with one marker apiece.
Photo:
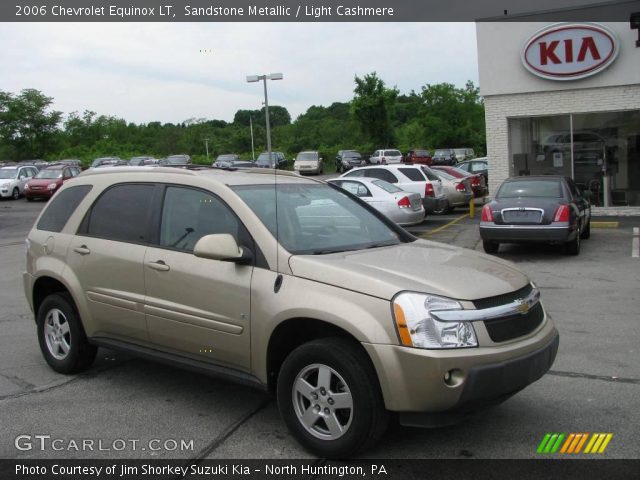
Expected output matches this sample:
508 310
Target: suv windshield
316 219
8 172
307 156
55 173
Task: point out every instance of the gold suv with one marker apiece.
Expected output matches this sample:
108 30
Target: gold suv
285 282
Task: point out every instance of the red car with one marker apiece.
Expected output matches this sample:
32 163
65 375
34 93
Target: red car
48 181
478 184
420 156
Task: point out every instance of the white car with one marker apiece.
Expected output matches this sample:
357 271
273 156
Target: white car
403 208
410 178
385 157
14 178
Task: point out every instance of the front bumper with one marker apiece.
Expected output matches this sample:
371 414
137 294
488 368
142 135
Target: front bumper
44 193
413 379
554 233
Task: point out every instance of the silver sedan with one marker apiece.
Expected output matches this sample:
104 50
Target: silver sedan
403 208
457 190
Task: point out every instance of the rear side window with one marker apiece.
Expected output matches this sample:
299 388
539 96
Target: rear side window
381 174
121 213
413 174
430 174
61 207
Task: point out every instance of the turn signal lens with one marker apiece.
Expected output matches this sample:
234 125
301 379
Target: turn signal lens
486 215
562 214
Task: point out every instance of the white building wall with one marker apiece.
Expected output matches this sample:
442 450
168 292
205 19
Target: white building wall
498 108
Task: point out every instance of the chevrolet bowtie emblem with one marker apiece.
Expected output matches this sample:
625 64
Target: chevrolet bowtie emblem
523 307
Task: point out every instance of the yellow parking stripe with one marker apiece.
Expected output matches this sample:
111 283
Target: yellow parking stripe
604 224
447 225
590 444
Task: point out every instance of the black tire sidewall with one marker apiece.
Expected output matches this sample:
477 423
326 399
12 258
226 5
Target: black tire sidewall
72 362
15 194
363 387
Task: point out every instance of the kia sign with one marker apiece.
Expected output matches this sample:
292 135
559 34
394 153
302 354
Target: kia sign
570 51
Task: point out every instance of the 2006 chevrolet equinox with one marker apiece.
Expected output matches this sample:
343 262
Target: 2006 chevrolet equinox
288 283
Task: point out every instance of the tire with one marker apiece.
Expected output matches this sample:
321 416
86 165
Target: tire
29 199
15 195
62 339
326 368
445 209
586 232
490 247
573 247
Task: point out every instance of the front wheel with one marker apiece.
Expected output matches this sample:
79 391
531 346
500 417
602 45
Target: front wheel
15 194
62 339
330 399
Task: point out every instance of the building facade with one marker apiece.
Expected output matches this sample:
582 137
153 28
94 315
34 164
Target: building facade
563 98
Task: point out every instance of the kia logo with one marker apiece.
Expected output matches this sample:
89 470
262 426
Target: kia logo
570 51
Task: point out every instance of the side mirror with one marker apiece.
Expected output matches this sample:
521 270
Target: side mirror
223 247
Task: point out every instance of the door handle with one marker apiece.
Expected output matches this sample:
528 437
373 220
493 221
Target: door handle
82 250
159 265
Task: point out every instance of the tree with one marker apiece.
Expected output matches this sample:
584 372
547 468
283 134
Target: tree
27 125
372 107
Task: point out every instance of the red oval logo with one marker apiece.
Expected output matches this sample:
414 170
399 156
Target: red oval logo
570 51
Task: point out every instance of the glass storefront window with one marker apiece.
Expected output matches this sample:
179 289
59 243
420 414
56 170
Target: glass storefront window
600 151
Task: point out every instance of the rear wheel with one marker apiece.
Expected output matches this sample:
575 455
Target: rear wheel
330 399
573 247
446 208
490 247
586 232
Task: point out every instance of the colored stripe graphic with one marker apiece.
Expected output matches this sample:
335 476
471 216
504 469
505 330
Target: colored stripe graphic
573 443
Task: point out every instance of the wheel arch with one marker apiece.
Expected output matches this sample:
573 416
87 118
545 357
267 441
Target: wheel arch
292 333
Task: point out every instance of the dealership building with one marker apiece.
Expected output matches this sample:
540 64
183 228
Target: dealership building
564 98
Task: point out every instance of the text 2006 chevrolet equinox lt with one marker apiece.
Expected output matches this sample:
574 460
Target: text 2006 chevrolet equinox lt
287 283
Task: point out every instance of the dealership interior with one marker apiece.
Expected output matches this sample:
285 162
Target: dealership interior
601 151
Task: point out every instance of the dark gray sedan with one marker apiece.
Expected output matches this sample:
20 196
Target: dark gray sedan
548 209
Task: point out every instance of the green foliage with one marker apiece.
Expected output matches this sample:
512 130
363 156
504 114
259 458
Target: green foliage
372 107
27 126
439 116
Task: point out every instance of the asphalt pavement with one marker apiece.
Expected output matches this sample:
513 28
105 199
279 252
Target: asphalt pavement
593 386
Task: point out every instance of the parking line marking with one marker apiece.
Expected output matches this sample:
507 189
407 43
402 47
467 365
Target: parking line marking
635 243
445 226
605 224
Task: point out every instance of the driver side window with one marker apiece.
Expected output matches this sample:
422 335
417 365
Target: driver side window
189 214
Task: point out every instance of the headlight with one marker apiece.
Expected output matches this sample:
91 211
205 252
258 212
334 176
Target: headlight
5 185
52 186
414 318
27 187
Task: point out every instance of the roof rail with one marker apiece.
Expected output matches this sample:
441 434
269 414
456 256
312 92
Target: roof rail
146 169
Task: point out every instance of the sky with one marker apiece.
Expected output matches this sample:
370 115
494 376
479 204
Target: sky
172 72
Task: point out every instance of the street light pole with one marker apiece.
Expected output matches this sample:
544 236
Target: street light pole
206 146
264 78
253 151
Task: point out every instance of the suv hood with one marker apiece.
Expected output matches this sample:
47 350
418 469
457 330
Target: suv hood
420 266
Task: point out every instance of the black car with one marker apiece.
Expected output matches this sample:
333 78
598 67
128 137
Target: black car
347 159
444 156
547 209
102 161
277 160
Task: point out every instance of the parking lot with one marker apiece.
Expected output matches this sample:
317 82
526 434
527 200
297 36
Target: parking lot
592 387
